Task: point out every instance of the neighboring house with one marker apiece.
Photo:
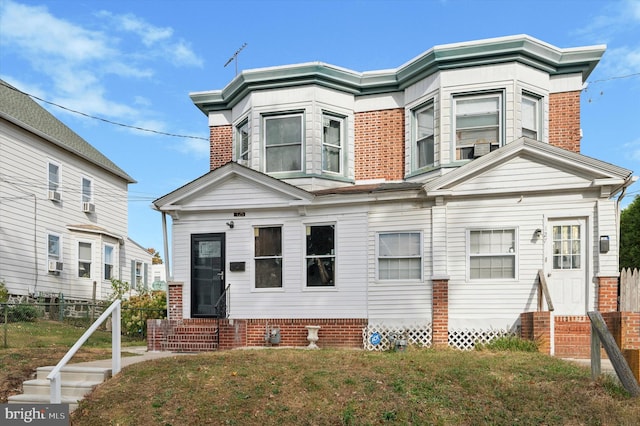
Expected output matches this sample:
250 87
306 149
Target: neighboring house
158 277
63 208
421 200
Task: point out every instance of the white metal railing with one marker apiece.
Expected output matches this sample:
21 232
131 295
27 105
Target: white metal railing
116 364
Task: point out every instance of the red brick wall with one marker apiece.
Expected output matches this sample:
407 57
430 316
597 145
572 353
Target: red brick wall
333 333
564 120
625 328
220 146
440 320
379 144
607 294
573 336
175 300
536 326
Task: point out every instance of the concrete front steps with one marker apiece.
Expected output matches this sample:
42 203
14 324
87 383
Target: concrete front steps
76 381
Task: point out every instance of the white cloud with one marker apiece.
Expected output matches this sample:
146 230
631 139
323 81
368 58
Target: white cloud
149 34
196 147
633 149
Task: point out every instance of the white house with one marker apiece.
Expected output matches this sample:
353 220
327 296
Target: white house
423 199
63 208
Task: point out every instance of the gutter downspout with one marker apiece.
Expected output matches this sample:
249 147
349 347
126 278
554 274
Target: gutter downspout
165 240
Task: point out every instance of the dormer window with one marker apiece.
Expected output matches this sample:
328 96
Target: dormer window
332 143
478 124
283 143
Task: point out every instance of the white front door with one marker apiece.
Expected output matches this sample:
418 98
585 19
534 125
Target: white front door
566 265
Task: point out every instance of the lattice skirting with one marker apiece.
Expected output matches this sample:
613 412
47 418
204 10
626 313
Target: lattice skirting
415 335
420 335
466 339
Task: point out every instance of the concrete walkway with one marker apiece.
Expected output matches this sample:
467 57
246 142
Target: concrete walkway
141 355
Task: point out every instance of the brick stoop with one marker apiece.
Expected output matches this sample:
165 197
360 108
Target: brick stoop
191 337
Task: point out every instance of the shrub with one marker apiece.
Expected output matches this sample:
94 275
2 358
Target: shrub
21 313
509 343
4 293
138 309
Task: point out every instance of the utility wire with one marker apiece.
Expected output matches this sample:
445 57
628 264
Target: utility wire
104 119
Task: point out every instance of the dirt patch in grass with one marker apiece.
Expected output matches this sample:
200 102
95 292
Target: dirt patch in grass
330 387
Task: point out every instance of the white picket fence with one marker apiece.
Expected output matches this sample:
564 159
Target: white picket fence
630 290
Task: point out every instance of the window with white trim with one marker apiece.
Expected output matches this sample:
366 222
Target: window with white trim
531 116
268 256
108 262
54 177
567 244
283 142
87 190
332 143
84 260
492 254
54 250
399 256
478 124
320 255
423 136
242 141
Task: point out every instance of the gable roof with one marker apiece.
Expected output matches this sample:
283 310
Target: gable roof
174 200
19 109
518 48
595 173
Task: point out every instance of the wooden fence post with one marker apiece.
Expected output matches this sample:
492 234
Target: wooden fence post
613 352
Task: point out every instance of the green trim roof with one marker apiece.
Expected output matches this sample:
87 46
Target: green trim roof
518 48
20 109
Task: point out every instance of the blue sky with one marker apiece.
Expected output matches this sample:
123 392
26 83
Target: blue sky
135 63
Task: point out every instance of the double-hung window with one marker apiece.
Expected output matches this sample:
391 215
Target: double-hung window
423 130
268 257
54 177
84 260
283 143
54 253
242 141
478 124
399 256
531 116
108 262
320 255
492 254
332 143
87 190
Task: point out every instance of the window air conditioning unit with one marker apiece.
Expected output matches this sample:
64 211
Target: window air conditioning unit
88 207
55 266
481 148
54 196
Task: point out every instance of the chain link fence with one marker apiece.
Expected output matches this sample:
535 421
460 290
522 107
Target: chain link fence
20 320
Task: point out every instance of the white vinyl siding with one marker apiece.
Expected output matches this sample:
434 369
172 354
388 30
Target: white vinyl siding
283 135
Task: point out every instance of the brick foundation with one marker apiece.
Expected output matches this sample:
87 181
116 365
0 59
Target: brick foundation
572 336
440 321
536 326
175 300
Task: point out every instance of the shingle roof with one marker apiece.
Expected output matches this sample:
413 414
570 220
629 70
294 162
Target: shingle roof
20 109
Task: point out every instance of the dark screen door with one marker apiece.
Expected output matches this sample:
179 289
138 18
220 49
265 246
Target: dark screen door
207 273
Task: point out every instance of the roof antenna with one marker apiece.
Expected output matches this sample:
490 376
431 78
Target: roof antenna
235 57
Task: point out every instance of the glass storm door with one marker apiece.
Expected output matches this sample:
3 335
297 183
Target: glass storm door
207 273
566 266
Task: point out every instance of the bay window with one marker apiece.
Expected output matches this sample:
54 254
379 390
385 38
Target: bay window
399 256
423 140
492 254
478 124
242 141
84 260
108 262
283 143
268 257
332 143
